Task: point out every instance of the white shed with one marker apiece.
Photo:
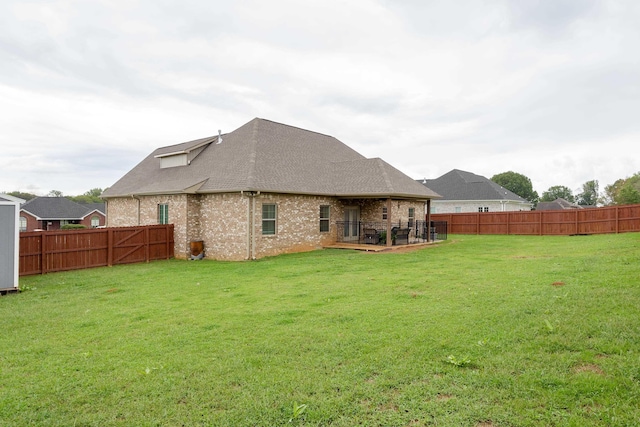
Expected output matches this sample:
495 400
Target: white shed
9 242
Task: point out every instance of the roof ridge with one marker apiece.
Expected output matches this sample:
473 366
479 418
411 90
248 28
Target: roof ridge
385 175
295 127
253 155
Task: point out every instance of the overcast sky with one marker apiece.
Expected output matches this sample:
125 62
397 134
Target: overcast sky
549 89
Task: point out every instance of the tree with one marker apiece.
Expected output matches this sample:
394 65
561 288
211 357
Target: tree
91 196
629 195
518 184
557 192
624 191
612 192
21 195
55 193
590 194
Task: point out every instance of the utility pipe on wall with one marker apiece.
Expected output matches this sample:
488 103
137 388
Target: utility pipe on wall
251 226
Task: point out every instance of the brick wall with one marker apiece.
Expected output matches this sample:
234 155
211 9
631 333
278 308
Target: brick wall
298 224
32 222
221 221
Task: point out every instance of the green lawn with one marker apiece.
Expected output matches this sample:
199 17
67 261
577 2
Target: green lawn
475 331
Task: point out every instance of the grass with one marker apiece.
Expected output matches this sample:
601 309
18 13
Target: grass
477 331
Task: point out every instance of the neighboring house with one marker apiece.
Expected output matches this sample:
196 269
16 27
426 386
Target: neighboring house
264 189
52 213
467 192
558 205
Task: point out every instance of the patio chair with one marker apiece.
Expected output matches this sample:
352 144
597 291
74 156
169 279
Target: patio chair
371 236
400 235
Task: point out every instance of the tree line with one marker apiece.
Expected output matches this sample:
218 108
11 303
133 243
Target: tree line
624 191
90 196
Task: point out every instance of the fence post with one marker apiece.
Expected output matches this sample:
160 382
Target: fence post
146 244
540 223
477 222
43 252
110 247
617 219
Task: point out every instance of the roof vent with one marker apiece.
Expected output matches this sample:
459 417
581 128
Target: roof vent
219 137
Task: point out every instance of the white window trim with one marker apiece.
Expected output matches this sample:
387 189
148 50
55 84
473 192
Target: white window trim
275 220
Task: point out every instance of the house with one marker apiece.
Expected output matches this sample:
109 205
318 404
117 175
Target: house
467 192
53 213
264 189
557 205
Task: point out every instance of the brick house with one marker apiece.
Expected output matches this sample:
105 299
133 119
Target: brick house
464 192
52 213
264 189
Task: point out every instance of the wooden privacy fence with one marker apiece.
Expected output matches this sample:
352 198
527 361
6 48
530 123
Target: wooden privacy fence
613 219
49 251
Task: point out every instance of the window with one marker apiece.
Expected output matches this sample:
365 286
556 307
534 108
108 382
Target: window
412 216
23 223
163 213
269 213
95 221
324 218
485 209
458 209
384 213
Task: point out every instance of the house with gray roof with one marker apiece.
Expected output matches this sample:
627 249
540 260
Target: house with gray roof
558 204
263 189
53 213
463 191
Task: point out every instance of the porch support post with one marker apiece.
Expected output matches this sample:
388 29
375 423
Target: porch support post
428 218
389 242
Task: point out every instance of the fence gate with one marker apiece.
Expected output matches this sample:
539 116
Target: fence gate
9 241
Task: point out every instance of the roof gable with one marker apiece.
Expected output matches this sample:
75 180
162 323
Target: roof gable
270 157
461 185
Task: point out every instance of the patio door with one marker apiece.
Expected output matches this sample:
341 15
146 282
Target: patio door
351 224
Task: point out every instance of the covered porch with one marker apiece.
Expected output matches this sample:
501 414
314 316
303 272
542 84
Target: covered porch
387 222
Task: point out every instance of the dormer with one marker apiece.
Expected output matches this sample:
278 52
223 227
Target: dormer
182 154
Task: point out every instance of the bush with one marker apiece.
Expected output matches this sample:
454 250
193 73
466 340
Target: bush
73 227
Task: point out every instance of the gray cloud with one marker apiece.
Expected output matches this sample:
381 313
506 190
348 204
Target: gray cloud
428 86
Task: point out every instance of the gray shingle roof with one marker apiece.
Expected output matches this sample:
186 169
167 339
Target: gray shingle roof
55 208
557 204
270 157
461 185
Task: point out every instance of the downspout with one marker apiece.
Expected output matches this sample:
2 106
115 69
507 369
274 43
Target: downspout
428 220
389 242
251 227
248 242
